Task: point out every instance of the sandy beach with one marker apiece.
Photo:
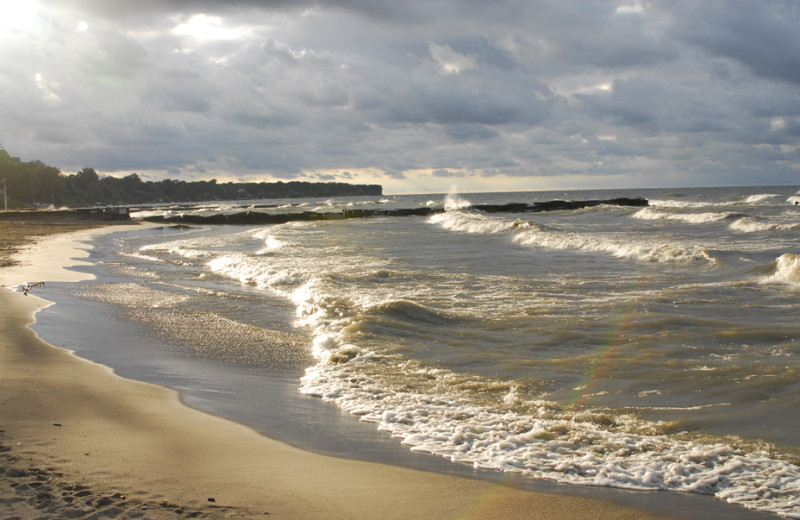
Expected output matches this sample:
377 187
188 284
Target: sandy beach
77 441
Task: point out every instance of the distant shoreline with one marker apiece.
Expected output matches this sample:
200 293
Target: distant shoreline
32 183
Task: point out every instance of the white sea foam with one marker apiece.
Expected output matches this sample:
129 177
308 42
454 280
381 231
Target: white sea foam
249 270
315 307
141 256
579 448
469 222
646 250
786 270
681 408
750 225
529 233
183 248
139 215
680 203
453 202
294 284
271 243
755 199
692 218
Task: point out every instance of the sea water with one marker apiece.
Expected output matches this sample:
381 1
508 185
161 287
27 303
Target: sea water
648 348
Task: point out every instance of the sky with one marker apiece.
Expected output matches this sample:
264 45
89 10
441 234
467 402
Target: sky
420 96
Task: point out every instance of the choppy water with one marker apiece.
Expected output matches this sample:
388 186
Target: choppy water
642 348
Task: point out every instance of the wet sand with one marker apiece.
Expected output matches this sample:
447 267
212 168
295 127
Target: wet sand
77 441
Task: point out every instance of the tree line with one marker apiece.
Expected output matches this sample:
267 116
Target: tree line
34 183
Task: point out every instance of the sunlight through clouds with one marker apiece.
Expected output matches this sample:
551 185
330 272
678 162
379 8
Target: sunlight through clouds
449 61
17 15
635 7
48 89
204 27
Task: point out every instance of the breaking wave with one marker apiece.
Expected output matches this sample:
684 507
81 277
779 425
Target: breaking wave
691 218
540 439
454 202
471 222
651 251
751 225
666 203
755 199
531 234
786 269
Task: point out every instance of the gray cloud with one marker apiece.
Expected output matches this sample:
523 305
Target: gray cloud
673 92
763 38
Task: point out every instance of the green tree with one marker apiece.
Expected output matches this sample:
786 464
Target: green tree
34 182
84 188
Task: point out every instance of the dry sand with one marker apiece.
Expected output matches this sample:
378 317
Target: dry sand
77 441
20 233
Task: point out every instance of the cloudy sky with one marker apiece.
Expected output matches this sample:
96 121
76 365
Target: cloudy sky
416 95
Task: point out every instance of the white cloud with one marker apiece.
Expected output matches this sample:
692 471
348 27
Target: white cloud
47 89
634 7
449 61
777 123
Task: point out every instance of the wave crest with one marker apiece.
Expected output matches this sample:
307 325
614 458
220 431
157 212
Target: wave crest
750 225
645 250
469 222
786 269
454 203
531 234
691 218
754 199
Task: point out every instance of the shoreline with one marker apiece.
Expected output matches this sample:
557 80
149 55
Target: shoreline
69 423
